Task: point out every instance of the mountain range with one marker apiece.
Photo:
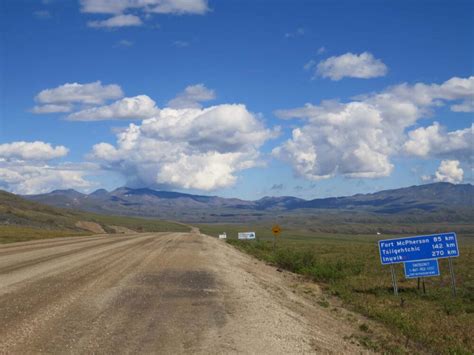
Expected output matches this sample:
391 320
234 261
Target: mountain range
146 202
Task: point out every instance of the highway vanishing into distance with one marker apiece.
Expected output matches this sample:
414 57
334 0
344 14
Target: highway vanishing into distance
156 293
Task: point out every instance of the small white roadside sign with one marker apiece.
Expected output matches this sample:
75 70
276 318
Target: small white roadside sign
223 236
246 235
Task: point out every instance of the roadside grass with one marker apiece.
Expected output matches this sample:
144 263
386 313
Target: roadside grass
22 220
12 234
135 223
348 266
64 227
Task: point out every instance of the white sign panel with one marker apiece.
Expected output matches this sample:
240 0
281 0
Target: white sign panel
223 236
246 235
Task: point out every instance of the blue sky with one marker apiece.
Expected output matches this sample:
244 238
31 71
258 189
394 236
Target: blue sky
240 129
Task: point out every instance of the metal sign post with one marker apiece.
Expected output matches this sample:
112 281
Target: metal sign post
394 280
276 232
453 280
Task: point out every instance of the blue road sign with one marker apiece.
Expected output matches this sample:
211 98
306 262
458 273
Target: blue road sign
422 268
422 247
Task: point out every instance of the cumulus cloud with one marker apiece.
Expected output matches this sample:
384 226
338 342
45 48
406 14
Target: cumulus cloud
310 64
42 14
158 6
31 178
297 33
128 108
124 43
434 141
181 44
51 108
339 138
24 168
321 50
31 151
187 148
180 7
466 106
120 9
362 66
449 171
70 97
192 96
358 138
117 21
432 95
62 98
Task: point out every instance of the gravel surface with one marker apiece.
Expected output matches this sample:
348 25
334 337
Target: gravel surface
155 293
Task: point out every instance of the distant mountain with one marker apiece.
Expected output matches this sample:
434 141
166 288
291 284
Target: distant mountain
428 197
187 207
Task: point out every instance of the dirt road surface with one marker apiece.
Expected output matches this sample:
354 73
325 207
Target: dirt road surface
155 293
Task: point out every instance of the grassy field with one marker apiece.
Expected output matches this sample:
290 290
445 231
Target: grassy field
348 266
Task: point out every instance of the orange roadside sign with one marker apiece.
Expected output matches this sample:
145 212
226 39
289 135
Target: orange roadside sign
276 229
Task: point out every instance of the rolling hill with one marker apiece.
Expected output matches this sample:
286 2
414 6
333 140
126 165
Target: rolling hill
21 219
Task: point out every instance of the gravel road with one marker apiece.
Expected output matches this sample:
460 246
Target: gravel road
155 293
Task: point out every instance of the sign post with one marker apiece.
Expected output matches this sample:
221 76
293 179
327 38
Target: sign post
453 280
394 280
276 232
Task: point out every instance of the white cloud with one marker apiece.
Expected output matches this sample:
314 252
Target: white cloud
187 148
310 65
298 33
23 168
358 138
42 14
345 139
425 95
158 6
181 44
362 66
117 21
466 106
107 6
69 93
321 50
124 43
30 178
426 178
31 151
180 7
434 141
128 108
128 13
51 108
192 96
449 171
